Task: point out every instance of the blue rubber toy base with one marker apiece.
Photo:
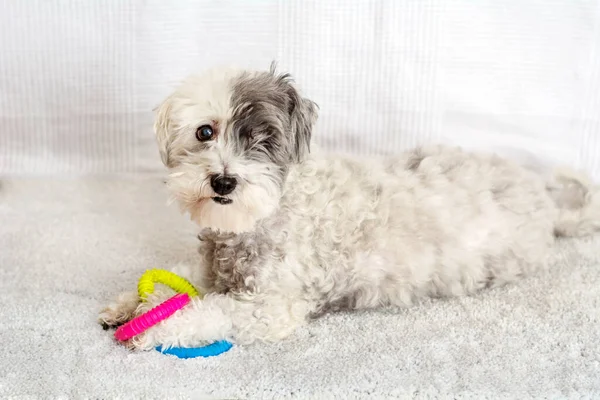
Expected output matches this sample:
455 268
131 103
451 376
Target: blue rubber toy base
213 349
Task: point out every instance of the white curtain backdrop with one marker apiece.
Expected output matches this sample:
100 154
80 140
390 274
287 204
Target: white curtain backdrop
79 79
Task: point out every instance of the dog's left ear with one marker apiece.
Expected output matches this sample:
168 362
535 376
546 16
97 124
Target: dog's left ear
162 130
303 115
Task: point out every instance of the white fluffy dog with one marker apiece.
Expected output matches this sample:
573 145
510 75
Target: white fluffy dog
288 234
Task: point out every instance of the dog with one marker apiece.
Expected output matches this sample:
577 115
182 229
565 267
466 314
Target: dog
289 233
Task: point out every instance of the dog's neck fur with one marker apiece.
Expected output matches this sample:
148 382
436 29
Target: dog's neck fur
234 260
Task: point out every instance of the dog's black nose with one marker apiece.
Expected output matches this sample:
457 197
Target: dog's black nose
222 185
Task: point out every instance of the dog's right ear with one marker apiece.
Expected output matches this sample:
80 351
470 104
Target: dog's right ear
162 130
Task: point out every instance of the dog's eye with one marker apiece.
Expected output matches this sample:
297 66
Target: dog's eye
204 133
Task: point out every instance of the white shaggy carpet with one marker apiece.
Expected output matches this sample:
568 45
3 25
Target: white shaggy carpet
66 247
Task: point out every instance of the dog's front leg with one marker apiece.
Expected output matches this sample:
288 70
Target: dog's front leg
126 305
241 319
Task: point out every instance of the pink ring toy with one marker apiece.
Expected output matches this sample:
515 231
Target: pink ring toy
152 317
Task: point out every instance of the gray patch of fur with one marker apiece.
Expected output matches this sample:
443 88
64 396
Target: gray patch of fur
271 119
235 260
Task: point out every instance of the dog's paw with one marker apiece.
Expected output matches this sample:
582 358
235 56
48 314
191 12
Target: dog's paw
195 325
119 312
142 342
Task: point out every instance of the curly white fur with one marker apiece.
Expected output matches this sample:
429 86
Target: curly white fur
305 234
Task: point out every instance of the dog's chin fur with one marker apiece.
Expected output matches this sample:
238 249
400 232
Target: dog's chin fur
234 218
303 234
246 207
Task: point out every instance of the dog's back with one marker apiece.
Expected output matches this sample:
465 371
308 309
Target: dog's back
435 221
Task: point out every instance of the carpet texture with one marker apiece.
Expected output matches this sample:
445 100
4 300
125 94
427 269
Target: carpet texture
68 246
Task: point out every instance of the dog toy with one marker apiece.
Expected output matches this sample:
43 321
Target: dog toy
164 310
152 276
213 349
154 316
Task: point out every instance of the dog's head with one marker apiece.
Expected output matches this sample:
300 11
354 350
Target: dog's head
228 138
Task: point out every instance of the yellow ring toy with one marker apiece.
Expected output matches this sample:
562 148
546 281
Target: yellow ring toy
175 282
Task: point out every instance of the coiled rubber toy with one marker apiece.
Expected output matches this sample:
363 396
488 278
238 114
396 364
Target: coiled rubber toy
175 282
150 318
213 349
